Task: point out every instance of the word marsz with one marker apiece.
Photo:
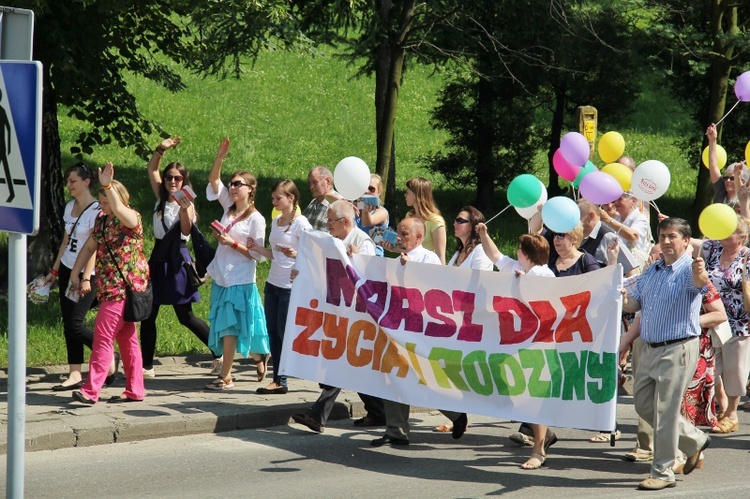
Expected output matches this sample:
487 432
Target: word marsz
451 314
572 375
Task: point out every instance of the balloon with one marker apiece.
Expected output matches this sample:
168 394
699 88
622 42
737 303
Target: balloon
524 191
351 177
275 213
575 148
561 214
563 168
721 153
742 87
587 168
747 154
600 188
611 146
650 180
718 221
621 173
532 210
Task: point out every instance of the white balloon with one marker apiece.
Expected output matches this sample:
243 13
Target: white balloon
650 180
351 177
532 210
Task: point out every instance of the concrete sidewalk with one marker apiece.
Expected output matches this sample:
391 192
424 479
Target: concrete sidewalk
176 404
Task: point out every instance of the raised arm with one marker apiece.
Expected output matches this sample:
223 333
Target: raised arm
439 238
155 163
713 155
490 248
215 174
127 215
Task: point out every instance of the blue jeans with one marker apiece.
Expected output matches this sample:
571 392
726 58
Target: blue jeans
276 308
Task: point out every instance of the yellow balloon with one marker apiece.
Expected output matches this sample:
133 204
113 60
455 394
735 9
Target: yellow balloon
747 154
621 173
275 213
718 221
721 154
611 146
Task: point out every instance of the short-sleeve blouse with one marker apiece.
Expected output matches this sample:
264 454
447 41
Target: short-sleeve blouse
127 246
728 282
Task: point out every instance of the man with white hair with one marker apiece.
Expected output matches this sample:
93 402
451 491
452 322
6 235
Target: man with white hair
341 225
320 181
631 225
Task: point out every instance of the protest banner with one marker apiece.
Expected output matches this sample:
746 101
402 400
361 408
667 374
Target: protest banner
536 349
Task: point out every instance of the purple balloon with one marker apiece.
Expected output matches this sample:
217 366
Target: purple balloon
563 168
742 87
575 148
600 188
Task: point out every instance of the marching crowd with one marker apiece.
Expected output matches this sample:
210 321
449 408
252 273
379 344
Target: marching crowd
682 379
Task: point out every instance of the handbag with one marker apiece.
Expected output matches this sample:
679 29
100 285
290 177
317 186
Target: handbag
720 334
138 304
745 286
194 277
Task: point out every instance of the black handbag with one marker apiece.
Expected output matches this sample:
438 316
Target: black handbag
194 278
138 304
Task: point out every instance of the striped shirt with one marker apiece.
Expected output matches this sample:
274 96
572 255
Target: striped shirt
670 301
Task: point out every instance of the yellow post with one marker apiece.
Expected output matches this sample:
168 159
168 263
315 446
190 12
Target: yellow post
587 118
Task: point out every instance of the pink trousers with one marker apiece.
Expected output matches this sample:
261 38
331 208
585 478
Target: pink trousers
111 326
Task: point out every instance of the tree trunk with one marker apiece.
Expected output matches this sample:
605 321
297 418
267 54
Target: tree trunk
43 246
558 118
485 136
721 68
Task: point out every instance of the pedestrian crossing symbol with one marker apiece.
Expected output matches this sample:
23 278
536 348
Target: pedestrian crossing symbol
20 145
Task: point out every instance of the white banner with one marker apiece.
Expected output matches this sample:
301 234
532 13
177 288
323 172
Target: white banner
536 349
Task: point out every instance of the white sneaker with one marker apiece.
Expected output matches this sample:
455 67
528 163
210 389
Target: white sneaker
149 373
679 462
216 367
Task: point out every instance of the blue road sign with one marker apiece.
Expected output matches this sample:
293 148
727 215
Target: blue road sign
20 145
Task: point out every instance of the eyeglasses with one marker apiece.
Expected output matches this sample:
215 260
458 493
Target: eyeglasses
728 179
371 188
331 222
237 183
461 221
558 235
176 178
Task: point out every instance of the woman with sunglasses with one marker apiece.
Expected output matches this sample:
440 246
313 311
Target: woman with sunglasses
725 185
373 216
79 217
419 198
171 285
469 253
237 318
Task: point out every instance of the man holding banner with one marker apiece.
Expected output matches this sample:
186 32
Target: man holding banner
669 297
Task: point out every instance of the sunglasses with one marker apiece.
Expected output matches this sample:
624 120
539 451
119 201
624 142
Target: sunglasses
371 188
558 235
176 178
461 221
237 183
728 179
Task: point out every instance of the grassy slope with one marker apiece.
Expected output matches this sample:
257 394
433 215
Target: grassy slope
291 112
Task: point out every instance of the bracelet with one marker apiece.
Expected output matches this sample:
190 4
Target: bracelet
85 280
159 151
53 272
235 245
106 187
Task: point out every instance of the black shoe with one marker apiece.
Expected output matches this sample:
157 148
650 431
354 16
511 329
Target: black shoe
281 390
459 426
111 378
368 421
308 421
80 397
117 399
63 388
387 439
692 461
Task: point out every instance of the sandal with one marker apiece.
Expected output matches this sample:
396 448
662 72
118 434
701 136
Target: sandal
221 384
726 425
603 438
443 428
260 366
534 462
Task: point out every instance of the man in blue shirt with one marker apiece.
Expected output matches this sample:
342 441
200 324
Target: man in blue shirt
668 295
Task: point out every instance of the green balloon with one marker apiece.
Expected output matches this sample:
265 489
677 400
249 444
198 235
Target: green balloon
587 168
524 191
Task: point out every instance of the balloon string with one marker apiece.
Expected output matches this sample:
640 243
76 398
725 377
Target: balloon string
727 114
655 207
491 219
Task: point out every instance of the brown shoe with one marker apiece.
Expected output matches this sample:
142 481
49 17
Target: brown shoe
656 484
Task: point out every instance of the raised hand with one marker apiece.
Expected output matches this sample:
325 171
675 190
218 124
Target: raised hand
106 176
223 148
170 143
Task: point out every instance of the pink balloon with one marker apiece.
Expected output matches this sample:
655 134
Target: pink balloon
600 188
575 148
563 168
742 87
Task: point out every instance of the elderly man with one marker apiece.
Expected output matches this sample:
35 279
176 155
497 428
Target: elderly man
320 181
409 243
598 237
631 225
340 224
668 295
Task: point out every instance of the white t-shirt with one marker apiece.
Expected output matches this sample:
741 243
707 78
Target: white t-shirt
80 234
476 260
230 267
281 265
508 264
171 216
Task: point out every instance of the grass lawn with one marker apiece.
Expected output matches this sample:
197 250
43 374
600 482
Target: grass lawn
291 112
